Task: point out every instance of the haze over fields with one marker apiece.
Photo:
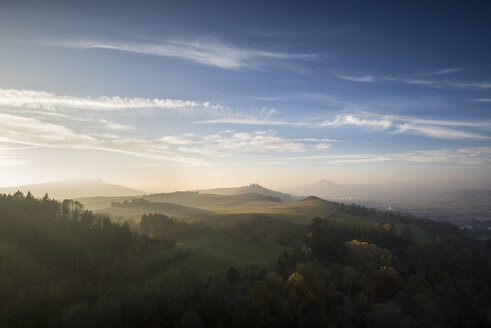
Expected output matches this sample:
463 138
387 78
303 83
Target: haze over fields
467 208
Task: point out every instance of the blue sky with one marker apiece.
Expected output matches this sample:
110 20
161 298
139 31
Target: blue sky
190 94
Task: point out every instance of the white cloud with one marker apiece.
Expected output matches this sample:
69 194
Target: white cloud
176 140
251 120
227 144
50 101
485 100
272 33
17 130
365 78
467 156
253 142
446 71
219 145
24 130
439 129
464 156
115 126
341 120
323 146
433 83
262 117
205 52
360 160
439 132
317 140
429 83
479 85
413 120
77 118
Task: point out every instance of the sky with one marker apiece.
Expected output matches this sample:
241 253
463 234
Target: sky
178 95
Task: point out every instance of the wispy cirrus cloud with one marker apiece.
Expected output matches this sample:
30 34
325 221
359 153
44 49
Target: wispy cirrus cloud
19 130
431 128
442 129
262 117
439 129
251 120
471 124
317 140
341 120
369 159
106 124
365 78
439 132
274 33
51 101
187 149
252 142
484 100
207 52
115 126
477 85
421 80
57 106
463 156
23 130
446 71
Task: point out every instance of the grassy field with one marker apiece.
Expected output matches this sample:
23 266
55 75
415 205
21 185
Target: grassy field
169 209
218 250
301 212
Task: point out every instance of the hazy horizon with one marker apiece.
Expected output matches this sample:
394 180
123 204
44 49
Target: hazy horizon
174 97
431 187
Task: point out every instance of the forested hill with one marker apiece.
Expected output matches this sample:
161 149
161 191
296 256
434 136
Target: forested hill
53 254
63 266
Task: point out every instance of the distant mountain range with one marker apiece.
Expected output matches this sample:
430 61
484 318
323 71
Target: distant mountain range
74 188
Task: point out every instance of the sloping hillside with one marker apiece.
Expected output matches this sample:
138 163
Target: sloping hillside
300 212
210 201
136 208
252 188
